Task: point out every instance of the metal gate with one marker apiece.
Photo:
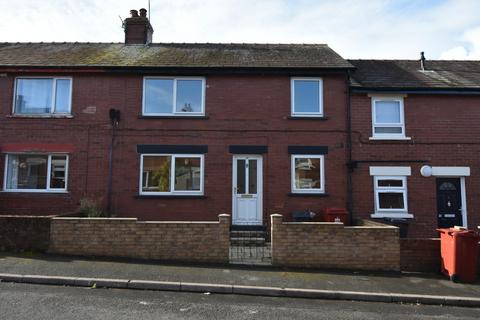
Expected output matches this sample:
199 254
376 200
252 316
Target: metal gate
250 245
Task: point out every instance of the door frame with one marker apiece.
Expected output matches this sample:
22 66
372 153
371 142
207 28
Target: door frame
463 196
259 158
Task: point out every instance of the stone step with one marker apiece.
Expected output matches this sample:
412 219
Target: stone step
248 234
247 242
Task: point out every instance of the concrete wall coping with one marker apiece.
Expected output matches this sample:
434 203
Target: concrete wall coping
336 224
95 219
135 220
26 217
371 227
178 222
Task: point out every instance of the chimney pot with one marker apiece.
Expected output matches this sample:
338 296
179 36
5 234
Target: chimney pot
134 13
143 13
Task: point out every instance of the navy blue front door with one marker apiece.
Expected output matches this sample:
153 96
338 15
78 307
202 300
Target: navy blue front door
449 202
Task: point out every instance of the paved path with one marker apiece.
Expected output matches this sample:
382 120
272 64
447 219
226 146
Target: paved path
343 281
22 301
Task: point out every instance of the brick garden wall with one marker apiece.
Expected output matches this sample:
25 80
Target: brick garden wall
127 237
420 254
423 255
24 233
372 246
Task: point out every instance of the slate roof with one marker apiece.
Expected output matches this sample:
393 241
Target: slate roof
171 55
407 74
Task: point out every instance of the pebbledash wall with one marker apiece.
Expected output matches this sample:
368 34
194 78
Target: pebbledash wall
127 237
371 246
443 131
240 110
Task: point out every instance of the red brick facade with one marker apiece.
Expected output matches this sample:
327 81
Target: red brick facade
443 131
240 110
243 110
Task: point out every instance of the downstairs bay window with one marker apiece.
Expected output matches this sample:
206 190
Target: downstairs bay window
171 174
36 173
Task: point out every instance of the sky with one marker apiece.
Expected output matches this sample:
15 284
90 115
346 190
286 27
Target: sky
363 29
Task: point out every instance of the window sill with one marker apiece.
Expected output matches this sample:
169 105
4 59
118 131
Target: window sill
41 116
170 196
30 193
298 194
307 118
392 215
190 117
391 138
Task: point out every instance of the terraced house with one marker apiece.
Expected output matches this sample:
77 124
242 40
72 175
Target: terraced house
177 131
415 142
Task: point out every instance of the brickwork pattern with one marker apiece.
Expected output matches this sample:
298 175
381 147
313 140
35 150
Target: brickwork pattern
420 254
240 110
442 129
423 255
24 233
332 245
127 237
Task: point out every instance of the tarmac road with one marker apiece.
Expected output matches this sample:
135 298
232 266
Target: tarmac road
23 301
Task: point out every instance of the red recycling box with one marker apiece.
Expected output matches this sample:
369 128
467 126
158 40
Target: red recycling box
332 214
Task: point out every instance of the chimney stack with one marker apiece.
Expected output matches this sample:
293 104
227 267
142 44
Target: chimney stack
138 29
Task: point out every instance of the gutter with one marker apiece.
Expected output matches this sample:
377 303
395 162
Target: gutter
413 90
174 70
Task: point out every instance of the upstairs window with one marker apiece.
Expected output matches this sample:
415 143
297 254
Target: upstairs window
308 174
307 97
36 173
388 118
173 96
37 96
171 174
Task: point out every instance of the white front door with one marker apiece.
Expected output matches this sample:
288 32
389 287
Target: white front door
247 190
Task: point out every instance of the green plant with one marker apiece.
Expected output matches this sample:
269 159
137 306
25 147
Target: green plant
89 208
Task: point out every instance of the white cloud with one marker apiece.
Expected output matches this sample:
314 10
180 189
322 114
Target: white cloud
469 51
355 28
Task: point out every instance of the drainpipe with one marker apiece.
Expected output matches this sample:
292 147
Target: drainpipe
114 120
350 167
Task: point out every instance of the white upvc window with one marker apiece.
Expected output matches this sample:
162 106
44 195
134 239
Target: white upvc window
171 174
307 97
308 174
388 118
168 96
42 96
391 196
36 173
